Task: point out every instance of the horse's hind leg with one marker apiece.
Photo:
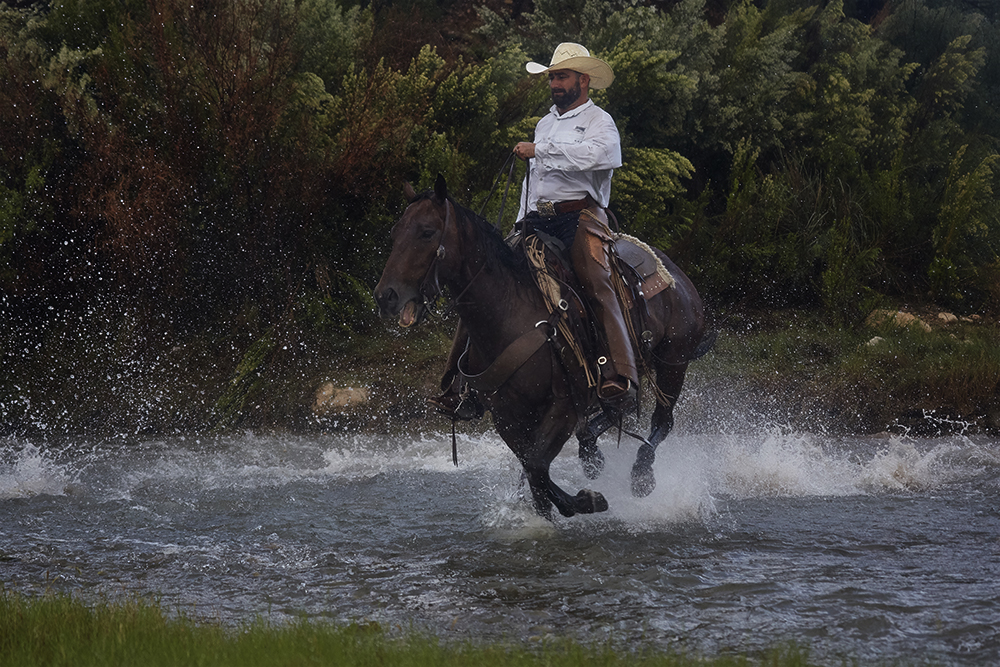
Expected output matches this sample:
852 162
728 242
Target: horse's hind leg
669 380
590 454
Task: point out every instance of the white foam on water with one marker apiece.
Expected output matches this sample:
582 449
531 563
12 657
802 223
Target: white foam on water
683 492
902 464
27 472
691 471
782 465
359 457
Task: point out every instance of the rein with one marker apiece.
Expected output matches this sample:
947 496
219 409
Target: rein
509 165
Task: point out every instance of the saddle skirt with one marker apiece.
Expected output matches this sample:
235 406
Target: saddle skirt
640 256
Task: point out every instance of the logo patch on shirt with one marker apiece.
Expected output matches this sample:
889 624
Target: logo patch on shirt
579 129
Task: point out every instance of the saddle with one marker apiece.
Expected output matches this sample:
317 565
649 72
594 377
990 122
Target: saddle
637 274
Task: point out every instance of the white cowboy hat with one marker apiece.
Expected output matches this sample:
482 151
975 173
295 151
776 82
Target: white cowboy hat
575 57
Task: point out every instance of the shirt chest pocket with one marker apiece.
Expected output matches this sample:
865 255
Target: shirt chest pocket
569 135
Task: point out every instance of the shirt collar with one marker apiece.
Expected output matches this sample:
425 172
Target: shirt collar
575 112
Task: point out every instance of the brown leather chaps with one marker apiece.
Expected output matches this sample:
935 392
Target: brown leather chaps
592 266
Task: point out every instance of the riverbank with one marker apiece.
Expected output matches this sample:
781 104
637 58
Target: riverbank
924 372
59 630
911 370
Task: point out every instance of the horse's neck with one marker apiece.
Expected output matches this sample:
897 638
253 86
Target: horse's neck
495 307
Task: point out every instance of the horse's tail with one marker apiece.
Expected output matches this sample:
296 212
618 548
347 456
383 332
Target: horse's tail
706 344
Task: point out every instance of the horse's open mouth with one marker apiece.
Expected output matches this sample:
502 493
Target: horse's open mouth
410 313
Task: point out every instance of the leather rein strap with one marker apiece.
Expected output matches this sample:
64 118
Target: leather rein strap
512 358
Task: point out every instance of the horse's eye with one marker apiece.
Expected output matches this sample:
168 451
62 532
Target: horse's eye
427 233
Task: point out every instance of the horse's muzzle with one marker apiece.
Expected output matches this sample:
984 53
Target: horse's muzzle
387 301
389 305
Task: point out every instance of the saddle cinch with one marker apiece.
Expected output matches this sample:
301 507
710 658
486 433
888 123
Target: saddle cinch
637 274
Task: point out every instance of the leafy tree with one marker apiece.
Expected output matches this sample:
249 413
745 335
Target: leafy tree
966 239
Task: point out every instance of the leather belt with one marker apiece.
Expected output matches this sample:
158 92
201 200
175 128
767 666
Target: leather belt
549 209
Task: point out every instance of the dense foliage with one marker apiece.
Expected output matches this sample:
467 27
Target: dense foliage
174 167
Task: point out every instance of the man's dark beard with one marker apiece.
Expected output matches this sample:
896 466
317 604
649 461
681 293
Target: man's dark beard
564 100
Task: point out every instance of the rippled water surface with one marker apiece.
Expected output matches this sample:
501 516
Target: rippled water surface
870 549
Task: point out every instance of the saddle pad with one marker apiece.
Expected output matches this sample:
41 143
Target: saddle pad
638 255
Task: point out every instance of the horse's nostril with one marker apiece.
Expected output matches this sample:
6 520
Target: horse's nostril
386 300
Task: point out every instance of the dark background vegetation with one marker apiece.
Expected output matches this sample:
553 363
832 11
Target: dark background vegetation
195 195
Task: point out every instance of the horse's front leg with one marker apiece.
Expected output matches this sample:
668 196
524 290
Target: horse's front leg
547 493
537 441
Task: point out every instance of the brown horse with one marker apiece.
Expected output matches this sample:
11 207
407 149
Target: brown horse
536 408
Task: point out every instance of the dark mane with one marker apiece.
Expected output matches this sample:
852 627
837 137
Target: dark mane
498 253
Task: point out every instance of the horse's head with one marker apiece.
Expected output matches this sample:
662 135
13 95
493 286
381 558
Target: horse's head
411 274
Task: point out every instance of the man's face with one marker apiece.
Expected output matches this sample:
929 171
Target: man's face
564 84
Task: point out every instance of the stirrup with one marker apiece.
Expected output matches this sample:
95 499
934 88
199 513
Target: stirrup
620 388
620 403
461 407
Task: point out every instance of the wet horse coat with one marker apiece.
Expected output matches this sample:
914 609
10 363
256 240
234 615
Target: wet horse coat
440 243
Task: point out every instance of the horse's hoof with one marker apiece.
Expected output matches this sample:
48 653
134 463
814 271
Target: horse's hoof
589 502
593 463
643 481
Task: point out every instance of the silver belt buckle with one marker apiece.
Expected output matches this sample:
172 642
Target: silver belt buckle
546 209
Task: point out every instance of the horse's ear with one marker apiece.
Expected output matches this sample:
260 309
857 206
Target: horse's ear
408 192
440 188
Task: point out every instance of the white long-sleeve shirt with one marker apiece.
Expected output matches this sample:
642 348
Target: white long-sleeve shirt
576 154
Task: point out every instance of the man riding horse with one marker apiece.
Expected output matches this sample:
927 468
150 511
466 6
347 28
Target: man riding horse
565 192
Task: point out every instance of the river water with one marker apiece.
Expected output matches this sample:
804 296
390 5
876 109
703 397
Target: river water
870 549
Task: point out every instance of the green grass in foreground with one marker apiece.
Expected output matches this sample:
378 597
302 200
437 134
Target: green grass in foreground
60 630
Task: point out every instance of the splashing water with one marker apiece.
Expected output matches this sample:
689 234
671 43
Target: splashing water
26 472
872 548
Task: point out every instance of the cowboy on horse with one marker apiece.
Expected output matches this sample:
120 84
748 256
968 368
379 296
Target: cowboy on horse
565 195
517 343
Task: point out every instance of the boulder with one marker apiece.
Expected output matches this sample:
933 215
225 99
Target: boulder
331 399
896 317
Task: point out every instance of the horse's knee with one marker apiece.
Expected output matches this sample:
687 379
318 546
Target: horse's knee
543 491
540 502
591 457
663 423
546 493
643 479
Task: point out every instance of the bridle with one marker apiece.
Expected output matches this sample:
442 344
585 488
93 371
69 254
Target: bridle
430 286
